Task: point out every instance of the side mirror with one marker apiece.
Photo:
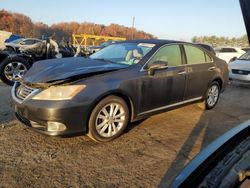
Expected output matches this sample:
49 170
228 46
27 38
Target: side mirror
233 59
157 65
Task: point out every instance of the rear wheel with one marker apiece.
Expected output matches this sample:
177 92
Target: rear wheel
108 119
13 69
212 95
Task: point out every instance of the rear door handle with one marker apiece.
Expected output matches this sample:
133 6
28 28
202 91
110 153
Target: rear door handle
211 68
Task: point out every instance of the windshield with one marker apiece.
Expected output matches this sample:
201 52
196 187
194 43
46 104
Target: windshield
123 53
17 41
245 56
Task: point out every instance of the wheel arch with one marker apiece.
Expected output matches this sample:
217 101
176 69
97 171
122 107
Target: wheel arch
219 80
117 93
3 56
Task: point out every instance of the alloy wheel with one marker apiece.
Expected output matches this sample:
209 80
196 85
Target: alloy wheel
213 95
110 120
14 71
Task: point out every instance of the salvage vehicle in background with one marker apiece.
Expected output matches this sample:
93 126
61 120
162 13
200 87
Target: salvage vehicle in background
239 70
93 49
14 46
229 54
14 65
121 83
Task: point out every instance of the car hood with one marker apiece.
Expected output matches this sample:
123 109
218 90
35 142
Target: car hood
240 65
67 69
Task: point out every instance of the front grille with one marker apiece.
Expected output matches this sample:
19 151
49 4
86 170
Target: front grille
23 91
242 72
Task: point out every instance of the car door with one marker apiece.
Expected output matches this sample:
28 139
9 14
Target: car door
200 71
166 86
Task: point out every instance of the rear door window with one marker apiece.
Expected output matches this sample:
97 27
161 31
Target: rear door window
196 56
227 50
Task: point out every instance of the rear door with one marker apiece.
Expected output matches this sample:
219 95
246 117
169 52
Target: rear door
200 71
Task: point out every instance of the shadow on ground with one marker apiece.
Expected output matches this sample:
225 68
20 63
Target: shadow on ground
212 124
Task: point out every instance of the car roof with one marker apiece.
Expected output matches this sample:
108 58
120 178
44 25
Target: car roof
154 41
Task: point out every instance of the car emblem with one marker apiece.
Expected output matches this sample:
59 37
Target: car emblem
240 72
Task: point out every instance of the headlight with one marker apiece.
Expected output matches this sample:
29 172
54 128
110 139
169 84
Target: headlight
55 93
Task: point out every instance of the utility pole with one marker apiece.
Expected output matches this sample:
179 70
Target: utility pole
133 26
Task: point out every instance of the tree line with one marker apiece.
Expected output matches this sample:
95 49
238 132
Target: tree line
222 41
22 25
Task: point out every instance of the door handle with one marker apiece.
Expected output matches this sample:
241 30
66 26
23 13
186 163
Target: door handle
182 72
211 68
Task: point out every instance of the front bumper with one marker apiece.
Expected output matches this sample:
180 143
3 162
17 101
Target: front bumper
239 77
37 113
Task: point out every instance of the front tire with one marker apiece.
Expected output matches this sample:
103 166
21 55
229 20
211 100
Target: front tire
13 69
212 96
108 119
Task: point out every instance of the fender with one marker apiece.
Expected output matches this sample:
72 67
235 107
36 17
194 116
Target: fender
28 58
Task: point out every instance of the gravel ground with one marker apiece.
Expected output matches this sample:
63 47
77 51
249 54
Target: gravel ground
149 154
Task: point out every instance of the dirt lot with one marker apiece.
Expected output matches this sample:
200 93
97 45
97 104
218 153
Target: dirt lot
149 154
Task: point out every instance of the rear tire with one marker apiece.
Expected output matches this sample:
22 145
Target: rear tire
13 69
212 95
108 119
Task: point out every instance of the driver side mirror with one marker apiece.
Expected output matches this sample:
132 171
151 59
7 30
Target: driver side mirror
157 65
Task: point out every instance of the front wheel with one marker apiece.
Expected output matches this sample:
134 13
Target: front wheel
212 95
108 119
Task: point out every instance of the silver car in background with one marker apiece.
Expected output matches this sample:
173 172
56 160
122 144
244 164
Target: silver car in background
239 70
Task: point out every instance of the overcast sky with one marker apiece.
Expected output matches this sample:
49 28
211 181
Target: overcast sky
168 19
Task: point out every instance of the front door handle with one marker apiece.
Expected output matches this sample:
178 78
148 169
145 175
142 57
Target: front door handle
182 72
211 68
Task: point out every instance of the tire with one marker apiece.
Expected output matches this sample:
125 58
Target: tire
5 67
102 126
212 98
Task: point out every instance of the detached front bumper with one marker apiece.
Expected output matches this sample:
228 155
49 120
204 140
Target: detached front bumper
39 115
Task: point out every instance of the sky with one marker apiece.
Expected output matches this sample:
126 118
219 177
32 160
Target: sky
166 19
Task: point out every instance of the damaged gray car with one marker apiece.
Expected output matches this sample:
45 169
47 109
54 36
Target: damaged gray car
119 84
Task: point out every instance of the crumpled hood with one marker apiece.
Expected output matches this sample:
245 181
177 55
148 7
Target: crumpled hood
66 68
240 65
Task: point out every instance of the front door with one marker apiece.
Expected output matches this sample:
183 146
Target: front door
164 87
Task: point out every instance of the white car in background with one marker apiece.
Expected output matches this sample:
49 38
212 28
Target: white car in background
229 54
239 70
